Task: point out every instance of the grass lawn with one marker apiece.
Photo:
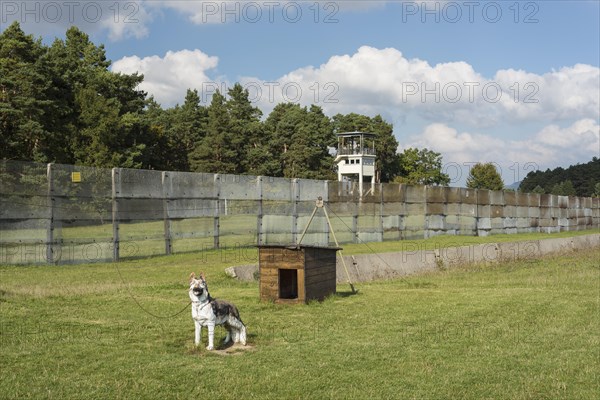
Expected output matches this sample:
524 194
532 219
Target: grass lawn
518 330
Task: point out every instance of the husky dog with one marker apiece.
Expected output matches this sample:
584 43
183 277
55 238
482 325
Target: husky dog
209 312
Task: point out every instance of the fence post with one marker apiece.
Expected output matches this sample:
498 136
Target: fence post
425 215
216 220
536 227
357 204
326 201
295 198
167 189
402 216
116 192
50 227
381 210
259 218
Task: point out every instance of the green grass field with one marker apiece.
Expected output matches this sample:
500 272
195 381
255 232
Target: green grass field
527 329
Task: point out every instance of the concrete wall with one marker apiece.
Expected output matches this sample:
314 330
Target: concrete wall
368 267
49 216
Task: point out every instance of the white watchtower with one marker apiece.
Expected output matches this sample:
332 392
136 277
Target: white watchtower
356 158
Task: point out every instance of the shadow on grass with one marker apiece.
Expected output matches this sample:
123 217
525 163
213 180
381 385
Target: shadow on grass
346 293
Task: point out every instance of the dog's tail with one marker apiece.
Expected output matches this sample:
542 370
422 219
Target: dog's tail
236 313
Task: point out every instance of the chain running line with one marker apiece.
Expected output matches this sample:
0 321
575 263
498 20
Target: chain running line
142 307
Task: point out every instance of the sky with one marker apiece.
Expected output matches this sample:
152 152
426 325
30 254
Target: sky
515 83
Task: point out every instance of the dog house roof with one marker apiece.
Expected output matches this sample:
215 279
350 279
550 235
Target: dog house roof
296 247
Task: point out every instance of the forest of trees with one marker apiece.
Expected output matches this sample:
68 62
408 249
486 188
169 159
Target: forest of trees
61 103
577 180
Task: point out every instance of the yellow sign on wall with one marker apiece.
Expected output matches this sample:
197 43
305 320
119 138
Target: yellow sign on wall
75 177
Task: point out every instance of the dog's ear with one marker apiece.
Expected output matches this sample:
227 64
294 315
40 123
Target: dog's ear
202 276
192 276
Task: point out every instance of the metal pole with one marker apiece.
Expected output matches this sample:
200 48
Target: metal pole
50 228
259 218
116 191
295 199
216 218
166 187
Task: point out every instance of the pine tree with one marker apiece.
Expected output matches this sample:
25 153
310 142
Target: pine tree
154 120
564 188
215 153
386 147
23 102
245 129
301 137
185 127
596 190
538 189
278 133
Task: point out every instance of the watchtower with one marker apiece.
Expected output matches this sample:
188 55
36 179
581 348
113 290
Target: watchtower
356 157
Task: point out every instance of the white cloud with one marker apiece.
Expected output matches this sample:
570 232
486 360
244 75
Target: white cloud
463 146
168 77
570 92
582 135
550 147
384 81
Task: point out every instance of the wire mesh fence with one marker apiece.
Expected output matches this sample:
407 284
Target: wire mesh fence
73 214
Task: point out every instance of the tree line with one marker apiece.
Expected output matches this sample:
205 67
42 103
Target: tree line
576 180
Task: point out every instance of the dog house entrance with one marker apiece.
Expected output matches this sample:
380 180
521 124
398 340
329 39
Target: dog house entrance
288 283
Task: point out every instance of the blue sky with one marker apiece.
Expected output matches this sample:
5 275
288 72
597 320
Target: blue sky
512 82
565 33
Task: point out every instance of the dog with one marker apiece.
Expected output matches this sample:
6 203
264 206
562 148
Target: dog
209 312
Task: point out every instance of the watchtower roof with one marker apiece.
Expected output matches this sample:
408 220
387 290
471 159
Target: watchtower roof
351 134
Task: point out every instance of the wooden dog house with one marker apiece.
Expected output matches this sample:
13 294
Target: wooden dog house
290 274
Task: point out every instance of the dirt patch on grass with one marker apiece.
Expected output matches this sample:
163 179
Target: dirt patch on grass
234 350
228 350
